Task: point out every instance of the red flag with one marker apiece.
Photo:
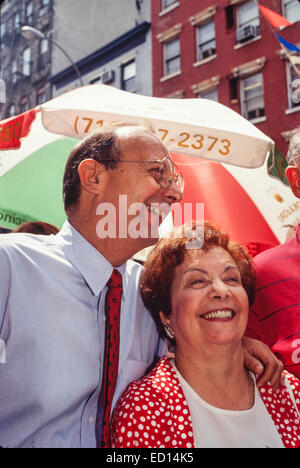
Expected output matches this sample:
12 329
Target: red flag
12 130
276 20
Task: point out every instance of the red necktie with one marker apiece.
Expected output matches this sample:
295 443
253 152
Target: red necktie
111 354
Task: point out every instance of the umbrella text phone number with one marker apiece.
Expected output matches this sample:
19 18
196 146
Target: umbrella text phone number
198 141
186 140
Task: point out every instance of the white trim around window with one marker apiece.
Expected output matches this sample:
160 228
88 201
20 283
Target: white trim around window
205 41
167 6
128 76
291 10
248 22
252 98
171 57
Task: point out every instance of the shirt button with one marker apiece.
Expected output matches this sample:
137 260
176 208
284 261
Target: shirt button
91 419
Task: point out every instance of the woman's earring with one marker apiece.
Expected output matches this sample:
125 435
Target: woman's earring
169 332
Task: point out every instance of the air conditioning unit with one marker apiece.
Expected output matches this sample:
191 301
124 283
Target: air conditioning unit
255 113
208 53
247 33
108 76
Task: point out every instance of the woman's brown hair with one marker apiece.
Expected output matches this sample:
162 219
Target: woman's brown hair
159 271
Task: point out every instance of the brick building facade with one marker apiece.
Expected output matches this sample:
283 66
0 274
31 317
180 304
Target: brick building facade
226 50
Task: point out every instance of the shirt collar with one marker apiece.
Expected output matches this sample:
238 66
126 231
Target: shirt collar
93 266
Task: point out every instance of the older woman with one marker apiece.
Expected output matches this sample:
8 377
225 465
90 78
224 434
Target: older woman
205 397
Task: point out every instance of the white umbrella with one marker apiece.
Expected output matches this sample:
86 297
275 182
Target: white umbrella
197 127
35 145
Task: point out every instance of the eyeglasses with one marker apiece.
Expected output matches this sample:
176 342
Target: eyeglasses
165 172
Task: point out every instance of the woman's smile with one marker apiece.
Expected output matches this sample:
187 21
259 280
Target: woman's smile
220 314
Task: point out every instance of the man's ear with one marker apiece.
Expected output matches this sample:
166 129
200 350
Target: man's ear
90 173
293 176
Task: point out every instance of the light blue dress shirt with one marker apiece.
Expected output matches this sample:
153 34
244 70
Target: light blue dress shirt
52 296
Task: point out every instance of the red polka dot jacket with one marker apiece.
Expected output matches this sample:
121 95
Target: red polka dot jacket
153 412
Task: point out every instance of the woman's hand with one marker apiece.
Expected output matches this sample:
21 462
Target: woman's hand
260 360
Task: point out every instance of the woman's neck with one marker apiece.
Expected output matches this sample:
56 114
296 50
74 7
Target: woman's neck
218 376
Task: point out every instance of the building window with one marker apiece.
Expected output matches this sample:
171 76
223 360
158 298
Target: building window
26 62
207 89
128 72
233 90
229 15
252 97
43 13
167 3
16 20
44 46
293 85
212 95
24 105
12 110
206 41
172 57
29 11
247 21
291 10
40 97
44 54
14 69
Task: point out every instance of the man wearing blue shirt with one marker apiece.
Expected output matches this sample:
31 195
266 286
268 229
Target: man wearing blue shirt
52 293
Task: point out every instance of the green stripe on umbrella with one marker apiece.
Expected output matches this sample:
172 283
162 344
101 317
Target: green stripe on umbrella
37 182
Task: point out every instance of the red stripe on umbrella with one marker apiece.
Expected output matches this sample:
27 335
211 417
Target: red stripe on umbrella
225 201
14 129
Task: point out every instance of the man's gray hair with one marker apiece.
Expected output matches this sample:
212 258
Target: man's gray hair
293 154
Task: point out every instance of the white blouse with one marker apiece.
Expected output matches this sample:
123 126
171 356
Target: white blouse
218 428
